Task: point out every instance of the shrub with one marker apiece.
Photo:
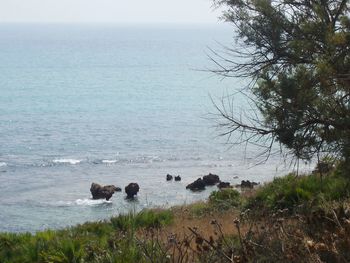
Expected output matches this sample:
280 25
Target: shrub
154 219
146 218
89 242
101 228
225 199
290 191
199 209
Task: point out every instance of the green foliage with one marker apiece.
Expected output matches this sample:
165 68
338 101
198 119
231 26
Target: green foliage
64 251
290 191
225 199
200 209
297 53
146 219
220 200
154 219
92 228
90 242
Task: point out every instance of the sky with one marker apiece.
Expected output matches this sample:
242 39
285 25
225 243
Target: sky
108 11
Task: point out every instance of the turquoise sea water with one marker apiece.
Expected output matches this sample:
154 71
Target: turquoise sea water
112 105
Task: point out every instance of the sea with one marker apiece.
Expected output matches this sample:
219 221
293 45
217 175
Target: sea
113 104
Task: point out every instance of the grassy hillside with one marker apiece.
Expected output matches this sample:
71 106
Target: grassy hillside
291 219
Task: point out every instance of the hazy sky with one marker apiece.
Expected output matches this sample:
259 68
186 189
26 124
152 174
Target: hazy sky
115 11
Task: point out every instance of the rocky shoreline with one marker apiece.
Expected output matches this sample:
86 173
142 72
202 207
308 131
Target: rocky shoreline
106 192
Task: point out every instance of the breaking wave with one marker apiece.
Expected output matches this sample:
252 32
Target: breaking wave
83 202
89 202
66 161
109 161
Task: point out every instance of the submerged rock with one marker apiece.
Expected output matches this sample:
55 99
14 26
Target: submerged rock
211 179
196 185
178 178
247 184
169 177
132 189
222 185
103 192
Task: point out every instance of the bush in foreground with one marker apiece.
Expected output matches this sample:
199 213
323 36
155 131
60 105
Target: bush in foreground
105 241
290 191
218 201
143 219
225 199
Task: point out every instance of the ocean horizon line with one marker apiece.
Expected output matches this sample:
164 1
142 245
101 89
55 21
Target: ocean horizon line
117 24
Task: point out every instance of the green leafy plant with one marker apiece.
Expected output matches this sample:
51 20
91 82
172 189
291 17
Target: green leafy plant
225 198
290 191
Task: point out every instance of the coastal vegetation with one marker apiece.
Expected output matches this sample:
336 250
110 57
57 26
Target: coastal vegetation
303 218
106 241
296 56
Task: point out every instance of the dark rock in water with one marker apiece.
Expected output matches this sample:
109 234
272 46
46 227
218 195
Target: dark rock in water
169 177
103 192
224 185
178 178
132 189
211 179
247 184
196 185
235 177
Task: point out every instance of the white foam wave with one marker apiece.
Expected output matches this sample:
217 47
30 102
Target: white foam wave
62 203
69 161
3 164
83 202
89 202
109 161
